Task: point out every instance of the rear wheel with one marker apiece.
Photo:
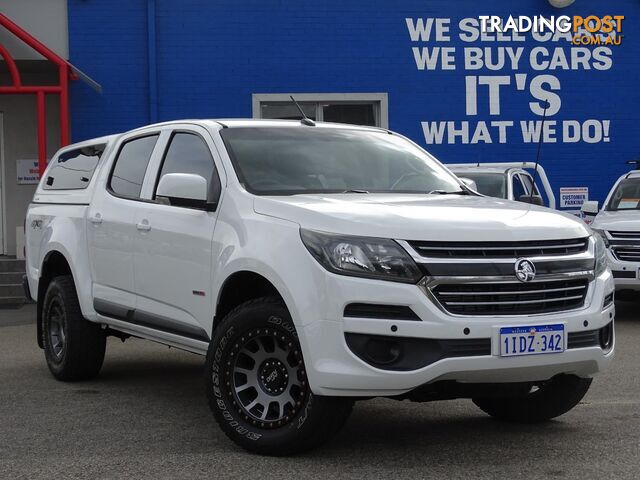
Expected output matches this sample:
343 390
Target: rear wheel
542 402
257 385
73 347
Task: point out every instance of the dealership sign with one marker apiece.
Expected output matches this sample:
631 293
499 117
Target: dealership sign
573 197
27 172
506 70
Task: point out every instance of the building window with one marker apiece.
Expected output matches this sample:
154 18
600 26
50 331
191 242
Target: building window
357 108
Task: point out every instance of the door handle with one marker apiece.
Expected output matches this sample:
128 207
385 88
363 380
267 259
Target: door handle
143 226
96 219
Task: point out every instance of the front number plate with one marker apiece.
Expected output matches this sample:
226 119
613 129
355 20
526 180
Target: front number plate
532 340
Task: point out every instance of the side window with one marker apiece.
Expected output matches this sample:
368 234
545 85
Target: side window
72 170
518 188
131 165
188 153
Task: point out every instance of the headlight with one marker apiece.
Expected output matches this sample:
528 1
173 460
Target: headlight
601 255
369 257
602 234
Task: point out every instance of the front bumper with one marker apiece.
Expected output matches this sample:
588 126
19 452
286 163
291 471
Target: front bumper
334 369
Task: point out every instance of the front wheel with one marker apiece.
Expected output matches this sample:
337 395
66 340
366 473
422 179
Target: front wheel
544 401
257 386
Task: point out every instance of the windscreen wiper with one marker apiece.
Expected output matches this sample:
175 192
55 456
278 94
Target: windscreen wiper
354 190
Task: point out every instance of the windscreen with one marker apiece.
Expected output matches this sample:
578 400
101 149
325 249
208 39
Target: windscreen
294 160
490 184
626 195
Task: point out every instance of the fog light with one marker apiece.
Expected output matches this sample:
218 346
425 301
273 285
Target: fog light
383 351
606 337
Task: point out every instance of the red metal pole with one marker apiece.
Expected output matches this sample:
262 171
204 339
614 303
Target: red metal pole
42 133
11 65
64 105
30 40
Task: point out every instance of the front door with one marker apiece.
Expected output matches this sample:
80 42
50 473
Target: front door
173 245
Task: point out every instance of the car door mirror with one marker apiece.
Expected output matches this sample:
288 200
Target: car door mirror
590 208
469 183
533 199
183 189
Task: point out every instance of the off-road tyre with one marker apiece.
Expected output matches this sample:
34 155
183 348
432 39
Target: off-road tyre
252 342
73 347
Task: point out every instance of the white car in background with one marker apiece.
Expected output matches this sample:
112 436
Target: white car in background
618 223
508 180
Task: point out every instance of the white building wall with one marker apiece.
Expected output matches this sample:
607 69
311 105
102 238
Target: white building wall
44 19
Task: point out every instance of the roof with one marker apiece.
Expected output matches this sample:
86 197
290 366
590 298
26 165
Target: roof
258 122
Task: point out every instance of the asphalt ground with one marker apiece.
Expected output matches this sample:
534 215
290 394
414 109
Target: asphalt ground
146 417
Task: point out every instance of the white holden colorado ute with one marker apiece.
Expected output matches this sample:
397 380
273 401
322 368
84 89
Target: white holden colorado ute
313 265
618 223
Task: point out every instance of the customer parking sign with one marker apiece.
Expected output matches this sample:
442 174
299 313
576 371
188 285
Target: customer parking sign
573 197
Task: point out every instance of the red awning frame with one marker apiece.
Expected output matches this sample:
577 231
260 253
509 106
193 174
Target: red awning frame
65 73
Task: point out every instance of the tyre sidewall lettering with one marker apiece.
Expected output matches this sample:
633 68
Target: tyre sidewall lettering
221 400
221 404
285 325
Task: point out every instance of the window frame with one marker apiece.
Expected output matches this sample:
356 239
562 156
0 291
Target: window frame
527 181
516 177
214 189
123 142
380 102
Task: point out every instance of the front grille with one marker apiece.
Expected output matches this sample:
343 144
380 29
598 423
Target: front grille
624 235
540 248
627 254
511 298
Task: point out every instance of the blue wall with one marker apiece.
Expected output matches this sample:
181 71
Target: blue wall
211 56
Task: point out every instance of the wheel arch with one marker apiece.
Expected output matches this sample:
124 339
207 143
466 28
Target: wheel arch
239 287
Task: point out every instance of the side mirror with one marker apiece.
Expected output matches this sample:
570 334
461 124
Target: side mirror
183 189
469 183
590 207
533 199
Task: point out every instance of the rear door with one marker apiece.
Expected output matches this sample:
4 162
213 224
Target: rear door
173 244
111 229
